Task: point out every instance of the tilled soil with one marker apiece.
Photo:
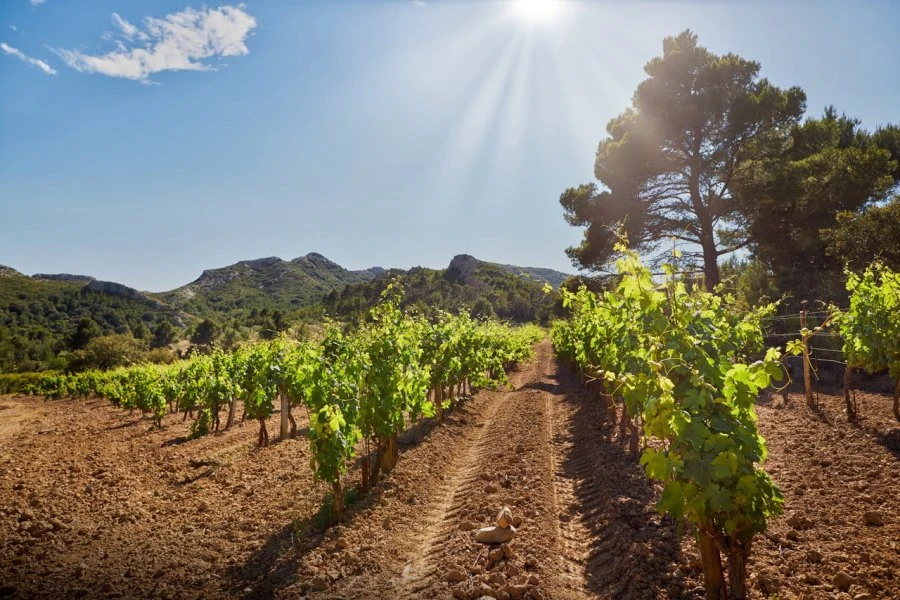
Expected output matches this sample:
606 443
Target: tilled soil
832 473
97 503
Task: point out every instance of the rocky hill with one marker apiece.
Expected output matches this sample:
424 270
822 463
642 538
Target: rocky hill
465 263
38 314
467 284
270 283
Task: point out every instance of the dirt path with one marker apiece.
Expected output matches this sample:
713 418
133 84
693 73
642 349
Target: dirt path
413 537
545 449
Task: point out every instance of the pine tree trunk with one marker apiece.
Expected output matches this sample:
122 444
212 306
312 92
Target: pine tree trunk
710 264
712 566
705 222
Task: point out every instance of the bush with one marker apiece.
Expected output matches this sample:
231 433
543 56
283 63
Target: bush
108 352
161 356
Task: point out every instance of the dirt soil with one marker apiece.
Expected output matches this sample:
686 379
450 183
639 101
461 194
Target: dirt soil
96 503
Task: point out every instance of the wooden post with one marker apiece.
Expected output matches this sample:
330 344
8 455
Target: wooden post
807 382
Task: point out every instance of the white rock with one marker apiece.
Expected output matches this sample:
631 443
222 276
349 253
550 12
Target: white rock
495 535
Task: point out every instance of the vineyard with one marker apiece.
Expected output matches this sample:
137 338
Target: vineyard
664 368
641 463
362 387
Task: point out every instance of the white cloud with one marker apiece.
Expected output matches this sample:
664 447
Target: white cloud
419 2
13 27
36 2
176 42
36 62
128 30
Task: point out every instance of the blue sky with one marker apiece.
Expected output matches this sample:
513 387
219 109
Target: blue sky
391 133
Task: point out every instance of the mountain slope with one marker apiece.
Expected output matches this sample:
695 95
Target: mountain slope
39 314
467 284
270 283
540 274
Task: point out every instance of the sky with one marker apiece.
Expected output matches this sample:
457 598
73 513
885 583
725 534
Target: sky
145 141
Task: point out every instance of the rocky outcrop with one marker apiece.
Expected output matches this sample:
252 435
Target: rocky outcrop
112 288
462 268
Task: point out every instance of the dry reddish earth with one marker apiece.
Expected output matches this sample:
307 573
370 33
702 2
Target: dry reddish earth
97 503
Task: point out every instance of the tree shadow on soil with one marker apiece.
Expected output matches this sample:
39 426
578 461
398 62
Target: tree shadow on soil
634 551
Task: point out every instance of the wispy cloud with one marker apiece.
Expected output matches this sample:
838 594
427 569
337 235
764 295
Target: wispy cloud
36 2
35 62
419 2
128 30
13 27
177 42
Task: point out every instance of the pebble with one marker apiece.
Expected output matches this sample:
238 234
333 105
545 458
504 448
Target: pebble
495 535
504 517
843 581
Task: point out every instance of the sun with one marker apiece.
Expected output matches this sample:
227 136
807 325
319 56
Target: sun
537 10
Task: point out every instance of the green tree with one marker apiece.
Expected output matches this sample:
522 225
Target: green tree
860 238
667 166
107 352
139 330
750 281
826 166
206 333
163 334
85 330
